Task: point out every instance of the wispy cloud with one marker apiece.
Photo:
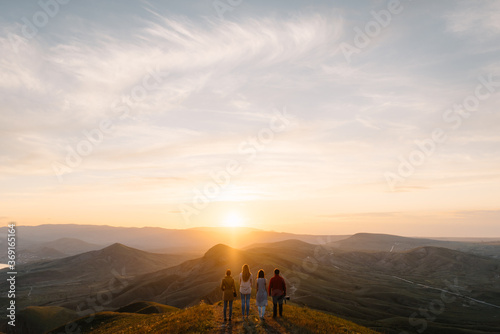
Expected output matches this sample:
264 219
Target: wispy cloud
221 81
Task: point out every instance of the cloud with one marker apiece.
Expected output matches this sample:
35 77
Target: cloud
57 91
219 83
472 18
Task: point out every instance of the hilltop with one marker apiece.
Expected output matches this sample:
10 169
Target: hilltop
204 318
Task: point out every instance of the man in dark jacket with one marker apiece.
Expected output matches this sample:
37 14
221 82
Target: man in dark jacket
277 290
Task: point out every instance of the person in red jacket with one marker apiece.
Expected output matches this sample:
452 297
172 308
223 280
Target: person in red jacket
277 290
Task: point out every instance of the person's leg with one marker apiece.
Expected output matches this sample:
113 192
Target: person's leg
275 307
281 309
248 304
259 308
230 309
242 304
225 308
263 310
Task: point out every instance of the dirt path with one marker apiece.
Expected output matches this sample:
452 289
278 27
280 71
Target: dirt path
251 325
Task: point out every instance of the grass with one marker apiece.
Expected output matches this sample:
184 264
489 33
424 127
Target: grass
43 319
147 308
197 319
204 318
304 320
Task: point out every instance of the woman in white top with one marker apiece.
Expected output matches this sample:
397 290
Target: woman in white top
246 282
261 297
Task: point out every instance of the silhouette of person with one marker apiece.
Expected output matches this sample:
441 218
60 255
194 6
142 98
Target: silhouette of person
246 282
277 290
228 294
261 297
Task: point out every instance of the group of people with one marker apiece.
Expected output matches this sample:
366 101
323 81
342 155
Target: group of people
276 289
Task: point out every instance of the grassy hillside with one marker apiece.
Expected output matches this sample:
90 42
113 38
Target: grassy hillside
204 318
146 308
39 319
68 282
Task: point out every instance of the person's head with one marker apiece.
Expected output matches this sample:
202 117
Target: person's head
245 272
276 271
228 272
261 273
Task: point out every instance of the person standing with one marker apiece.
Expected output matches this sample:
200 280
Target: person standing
261 296
228 293
277 290
246 282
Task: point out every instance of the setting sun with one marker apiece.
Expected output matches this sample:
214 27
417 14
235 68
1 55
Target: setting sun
234 219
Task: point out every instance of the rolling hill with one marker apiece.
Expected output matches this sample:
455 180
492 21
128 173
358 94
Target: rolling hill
70 246
56 249
394 243
68 282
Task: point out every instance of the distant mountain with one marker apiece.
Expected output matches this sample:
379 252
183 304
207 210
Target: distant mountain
38 254
156 239
127 260
56 249
386 243
71 246
393 243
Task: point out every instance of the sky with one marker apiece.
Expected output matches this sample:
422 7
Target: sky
319 117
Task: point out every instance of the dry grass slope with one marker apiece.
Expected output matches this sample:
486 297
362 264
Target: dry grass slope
206 318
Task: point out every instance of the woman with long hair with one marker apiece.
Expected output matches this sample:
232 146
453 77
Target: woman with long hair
261 297
228 293
246 282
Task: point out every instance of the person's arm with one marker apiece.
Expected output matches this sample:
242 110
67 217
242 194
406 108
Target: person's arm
270 283
222 285
284 287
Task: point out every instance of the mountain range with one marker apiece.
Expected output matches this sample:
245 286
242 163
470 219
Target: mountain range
386 283
45 242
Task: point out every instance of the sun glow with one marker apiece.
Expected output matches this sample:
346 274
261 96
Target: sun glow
234 219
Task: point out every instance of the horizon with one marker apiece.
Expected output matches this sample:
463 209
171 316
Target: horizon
231 229
303 117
